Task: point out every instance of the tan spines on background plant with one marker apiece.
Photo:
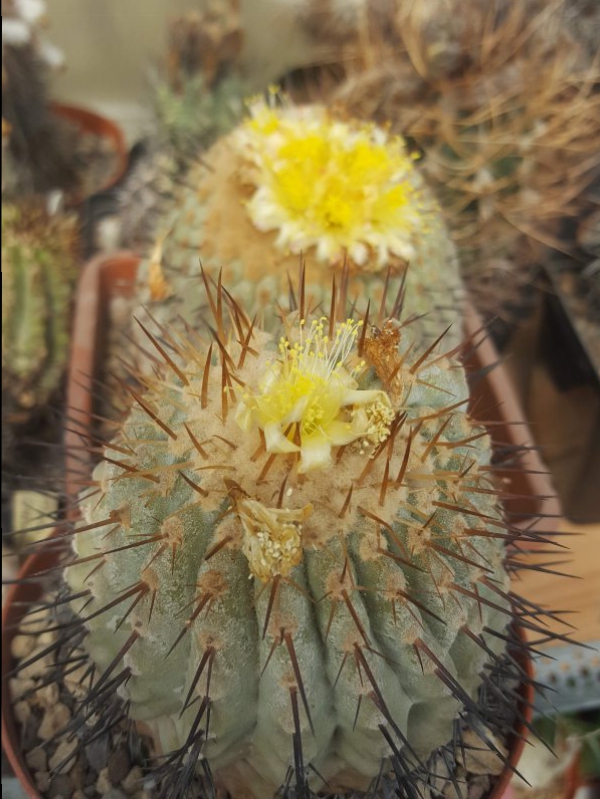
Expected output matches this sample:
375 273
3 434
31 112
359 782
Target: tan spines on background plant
203 42
502 99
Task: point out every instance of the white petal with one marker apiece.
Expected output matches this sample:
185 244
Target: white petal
315 453
243 417
275 440
359 254
340 433
359 397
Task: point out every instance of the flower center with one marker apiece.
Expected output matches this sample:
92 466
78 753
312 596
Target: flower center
309 399
340 186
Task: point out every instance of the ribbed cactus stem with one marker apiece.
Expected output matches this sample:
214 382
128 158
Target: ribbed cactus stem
294 551
38 273
297 185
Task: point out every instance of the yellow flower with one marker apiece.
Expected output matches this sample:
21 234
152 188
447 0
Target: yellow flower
309 400
341 187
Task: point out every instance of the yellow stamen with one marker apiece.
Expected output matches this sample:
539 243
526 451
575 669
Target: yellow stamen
338 186
310 395
272 537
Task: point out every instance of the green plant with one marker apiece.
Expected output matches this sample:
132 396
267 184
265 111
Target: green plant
197 96
38 277
564 754
292 559
201 94
191 119
572 731
298 184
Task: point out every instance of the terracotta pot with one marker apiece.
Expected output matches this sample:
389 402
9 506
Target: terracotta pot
96 125
23 594
494 401
102 279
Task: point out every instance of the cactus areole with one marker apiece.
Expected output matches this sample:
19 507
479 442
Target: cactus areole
292 556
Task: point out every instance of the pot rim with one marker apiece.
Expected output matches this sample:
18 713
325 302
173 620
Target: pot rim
94 123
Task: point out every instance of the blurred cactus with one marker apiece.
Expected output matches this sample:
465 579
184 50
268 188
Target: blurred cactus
38 156
38 275
508 155
198 96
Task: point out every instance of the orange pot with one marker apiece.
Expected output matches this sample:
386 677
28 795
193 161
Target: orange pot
102 279
20 596
96 125
494 403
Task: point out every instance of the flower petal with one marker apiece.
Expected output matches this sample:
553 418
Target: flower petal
315 453
366 397
275 441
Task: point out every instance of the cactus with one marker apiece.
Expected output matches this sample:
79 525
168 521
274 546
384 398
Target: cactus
201 96
38 277
294 184
197 97
292 559
457 81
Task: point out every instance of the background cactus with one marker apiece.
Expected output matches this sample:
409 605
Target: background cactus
508 158
201 94
292 559
297 184
38 277
197 96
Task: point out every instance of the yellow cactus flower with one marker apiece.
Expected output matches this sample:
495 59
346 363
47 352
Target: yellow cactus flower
342 187
309 400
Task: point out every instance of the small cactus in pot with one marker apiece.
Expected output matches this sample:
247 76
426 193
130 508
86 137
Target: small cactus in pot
38 278
292 560
297 183
38 157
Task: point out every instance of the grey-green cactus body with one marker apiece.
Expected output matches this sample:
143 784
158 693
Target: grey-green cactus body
217 225
300 604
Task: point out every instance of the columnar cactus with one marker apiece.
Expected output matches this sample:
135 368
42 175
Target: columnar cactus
292 557
38 277
296 183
